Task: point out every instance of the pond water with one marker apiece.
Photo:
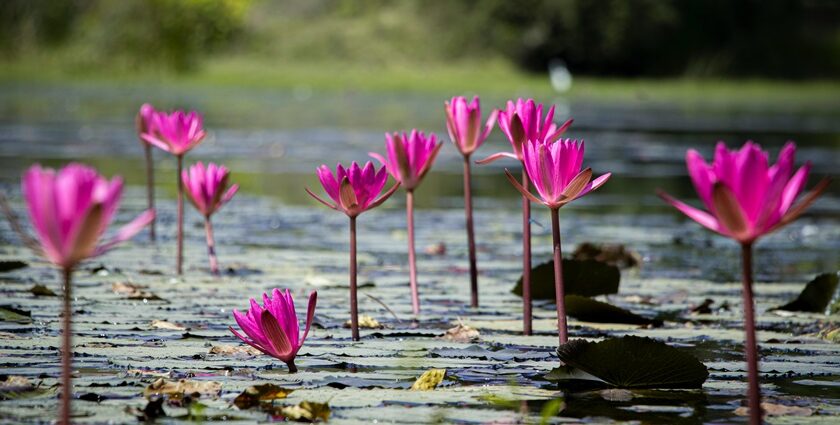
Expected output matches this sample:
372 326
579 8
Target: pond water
273 235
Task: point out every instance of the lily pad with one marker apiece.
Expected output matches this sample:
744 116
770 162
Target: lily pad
11 314
256 394
42 291
635 362
816 296
589 310
587 278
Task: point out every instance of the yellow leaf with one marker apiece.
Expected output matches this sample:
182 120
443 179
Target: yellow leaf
429 380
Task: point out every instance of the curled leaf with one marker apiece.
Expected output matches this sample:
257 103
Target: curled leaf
587 278
256 394
429 380
816 296
307 411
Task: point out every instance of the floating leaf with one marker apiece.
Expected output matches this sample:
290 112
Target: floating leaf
429 380
256 394
152 411
614 254
11 314
635 362
773 409
13 386
365 322
589 310
134 292
307 411
162 324
830 334
587 278
816 296
9 265
42 291
461 333
177 390
234 350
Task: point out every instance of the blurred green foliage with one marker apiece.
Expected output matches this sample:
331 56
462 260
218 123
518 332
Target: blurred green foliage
750 38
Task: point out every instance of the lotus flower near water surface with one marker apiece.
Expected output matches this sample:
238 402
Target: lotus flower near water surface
410 156
273 328
555 171
522 121
747 198
208 189
177 133
353 190
70 209
464 123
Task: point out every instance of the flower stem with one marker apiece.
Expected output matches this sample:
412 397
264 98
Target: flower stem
67 350
150 186
291 365
526 259
754 391
412 259
211 246
354 307
560 294
470 233
179 256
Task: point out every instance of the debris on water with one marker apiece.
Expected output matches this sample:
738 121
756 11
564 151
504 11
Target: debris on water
163 324
307 411
461 333
613 254
176 391
773 409
436 249
234 350
42 291
429 380
255 395
365 322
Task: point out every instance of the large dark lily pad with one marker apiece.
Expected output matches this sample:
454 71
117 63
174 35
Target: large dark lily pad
586 278
635 362
816 296
589 310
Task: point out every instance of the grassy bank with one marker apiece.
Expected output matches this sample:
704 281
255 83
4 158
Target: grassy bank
494 78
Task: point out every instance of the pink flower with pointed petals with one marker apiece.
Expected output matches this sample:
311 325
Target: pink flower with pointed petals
555 171
354 190
177 132
207 187
144 120
745 197
410 156
463 121
71 209
523 121
273 328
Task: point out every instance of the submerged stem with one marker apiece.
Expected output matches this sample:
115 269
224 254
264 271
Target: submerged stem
292 367
150 187
211 246
354 307
412 259
560 294
67 350
470 233
179 256
526 259
750 346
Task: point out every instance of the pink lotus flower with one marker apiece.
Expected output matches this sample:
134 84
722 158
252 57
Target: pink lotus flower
145 119
354 190
555 171
207 187
522 122
409 159
70 210
208 190
176 132
463 121
274 328
409 156
745 197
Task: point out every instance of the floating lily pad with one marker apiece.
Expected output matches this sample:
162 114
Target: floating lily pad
635 362
11 314
42 291
816 296
589 310
257 394
7 266
587 278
